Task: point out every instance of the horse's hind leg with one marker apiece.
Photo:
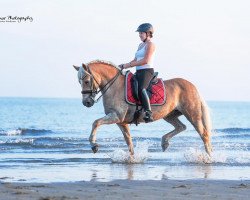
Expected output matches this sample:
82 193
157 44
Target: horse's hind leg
126 133
200 119
178 125
204 134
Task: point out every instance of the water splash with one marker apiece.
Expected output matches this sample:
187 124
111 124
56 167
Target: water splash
141 154
194 155
225 153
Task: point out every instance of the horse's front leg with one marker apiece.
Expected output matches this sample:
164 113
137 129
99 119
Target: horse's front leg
126 133
110 118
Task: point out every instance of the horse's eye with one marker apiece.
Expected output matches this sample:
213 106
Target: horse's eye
86 82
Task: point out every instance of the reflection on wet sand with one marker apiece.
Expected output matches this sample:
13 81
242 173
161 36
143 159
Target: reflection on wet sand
108 172
145 172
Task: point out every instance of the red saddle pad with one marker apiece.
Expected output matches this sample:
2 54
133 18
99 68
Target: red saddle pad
158 96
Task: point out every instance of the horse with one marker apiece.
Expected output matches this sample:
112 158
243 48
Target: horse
108 79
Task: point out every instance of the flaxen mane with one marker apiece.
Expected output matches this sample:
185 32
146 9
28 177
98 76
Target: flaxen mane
104 62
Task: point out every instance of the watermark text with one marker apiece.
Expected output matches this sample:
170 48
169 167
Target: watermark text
17 19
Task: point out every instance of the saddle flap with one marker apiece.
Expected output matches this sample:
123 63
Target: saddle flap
156 90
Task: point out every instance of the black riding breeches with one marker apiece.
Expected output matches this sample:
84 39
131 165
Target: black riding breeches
144 76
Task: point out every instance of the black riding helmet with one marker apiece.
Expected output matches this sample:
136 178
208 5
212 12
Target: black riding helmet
146 27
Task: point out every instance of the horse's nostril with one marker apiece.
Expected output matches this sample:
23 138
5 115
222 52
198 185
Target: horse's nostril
88 104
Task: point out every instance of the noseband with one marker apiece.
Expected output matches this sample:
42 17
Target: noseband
94 91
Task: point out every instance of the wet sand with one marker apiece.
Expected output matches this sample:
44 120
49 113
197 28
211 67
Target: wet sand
126 189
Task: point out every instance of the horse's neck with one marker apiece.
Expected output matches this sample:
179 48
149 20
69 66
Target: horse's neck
103 73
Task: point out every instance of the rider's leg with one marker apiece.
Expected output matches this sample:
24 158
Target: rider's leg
144 77
147 107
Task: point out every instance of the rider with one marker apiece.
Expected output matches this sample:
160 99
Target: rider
144 58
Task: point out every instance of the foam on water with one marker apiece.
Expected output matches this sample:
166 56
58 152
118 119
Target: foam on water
234 153
141 154
243 158
24 131
237 155
194 155
20 141
14 132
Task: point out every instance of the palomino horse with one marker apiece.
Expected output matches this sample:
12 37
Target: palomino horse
182 99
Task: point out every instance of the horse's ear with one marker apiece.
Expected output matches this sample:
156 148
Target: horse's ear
77 68
84 67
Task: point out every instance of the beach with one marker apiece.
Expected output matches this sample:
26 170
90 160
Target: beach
125 189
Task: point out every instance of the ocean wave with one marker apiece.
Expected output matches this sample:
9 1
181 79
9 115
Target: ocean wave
233 130
25 131
17 141
43 143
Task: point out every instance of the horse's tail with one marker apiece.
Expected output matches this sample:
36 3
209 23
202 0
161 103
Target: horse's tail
206 116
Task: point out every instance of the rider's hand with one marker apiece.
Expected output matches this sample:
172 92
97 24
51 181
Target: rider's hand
121 66
122 69
124 66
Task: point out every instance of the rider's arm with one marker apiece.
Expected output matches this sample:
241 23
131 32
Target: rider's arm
132 60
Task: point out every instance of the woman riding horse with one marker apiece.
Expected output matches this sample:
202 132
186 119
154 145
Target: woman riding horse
144 62
183 97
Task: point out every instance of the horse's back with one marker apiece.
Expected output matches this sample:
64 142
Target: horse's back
181 90
179 83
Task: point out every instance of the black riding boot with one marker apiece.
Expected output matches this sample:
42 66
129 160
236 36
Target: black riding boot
147 108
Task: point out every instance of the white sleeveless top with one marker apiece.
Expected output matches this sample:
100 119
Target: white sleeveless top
140 54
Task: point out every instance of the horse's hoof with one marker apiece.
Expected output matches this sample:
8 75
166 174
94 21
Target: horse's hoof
131 159
95 148
164 146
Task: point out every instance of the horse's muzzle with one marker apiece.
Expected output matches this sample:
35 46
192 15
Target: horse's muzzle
88 103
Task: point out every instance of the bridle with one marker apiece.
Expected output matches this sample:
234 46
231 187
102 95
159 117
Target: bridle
93 91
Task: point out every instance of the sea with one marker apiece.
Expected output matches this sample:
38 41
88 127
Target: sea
46 140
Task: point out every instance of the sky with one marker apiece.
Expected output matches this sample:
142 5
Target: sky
205 42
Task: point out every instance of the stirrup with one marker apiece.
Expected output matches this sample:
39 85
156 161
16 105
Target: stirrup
148 116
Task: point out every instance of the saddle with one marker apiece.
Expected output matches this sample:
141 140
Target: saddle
135 86
156 90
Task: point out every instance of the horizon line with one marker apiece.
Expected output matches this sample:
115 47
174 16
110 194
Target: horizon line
57 97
